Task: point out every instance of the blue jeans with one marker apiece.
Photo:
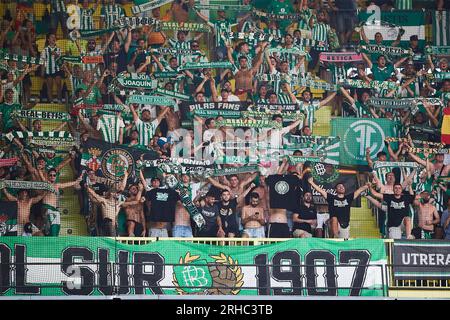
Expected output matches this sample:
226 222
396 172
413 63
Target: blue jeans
182 232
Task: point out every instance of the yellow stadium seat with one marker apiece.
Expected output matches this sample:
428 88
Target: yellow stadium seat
40 44
38 10
127 8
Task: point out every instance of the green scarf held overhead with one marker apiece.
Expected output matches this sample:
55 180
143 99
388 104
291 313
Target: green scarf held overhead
250 36
228 7
218 113
390 51
404 103
136 81
29 185
277 17
421 142
287 116
154 100
315 84
122 23
265 123
149 6
294 51
42 115
48 138
352 83
172 94
429 150
235 170
439 76
437 50
293 160
185 26
173 51
311 141
165 74
206 65
20 58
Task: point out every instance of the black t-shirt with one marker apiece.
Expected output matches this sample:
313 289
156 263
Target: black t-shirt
120 57
284 191
397 208
210 215
340 208
227 215
163 202
306 213
99 188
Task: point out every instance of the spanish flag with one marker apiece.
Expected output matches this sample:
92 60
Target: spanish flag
445 130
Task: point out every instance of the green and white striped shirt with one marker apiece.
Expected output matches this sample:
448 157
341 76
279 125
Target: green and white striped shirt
303 23
91 66
110 125
320 33
309 109
57 6
221 26
176 44
49 55
403 4
110 13
284 98
146 131
86 19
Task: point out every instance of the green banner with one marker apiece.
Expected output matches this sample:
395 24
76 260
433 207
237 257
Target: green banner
156 100
358 134
100 266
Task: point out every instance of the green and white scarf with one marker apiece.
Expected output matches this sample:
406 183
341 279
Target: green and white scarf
137 81
311 141
207 65
172 94
165 74
216 113
390 51
29 185
293 51
437 50
278 17
421 142
42 115
149 6
356 83
227 7
154 100
287 116
250 36
429 150
173 51
264 123
20 58
315 84
293 160
185 26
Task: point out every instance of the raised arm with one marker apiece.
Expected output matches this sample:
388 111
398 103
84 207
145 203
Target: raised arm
69 184
360 190
244 194
367 60
8 195
317 188
217 184
375 193
364 36
64 163
347 95
328 99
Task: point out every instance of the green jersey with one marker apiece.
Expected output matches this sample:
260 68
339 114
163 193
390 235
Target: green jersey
382 74
110 13
6 110
93 96
146 131
86 19
109 126
221 26
285 7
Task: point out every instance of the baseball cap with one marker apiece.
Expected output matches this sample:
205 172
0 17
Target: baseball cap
414 38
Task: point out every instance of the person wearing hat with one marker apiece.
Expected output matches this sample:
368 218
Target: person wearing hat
418 52
145 125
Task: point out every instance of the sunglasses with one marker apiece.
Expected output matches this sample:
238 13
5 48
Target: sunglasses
52 175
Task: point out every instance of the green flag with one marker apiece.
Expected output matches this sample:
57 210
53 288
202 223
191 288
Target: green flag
358 134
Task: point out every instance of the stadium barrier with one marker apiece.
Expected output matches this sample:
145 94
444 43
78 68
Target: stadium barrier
130 266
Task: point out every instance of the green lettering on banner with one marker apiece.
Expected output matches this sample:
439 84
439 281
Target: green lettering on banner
358 134
208 65
180 268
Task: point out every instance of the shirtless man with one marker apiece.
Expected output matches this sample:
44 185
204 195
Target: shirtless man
111 206
428 215
50 201
135 213
235 186
253 218
24 203
436 167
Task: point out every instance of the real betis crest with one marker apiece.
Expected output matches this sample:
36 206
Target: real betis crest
196 276
115 163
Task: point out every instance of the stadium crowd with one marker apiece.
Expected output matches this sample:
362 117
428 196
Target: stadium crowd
244 89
